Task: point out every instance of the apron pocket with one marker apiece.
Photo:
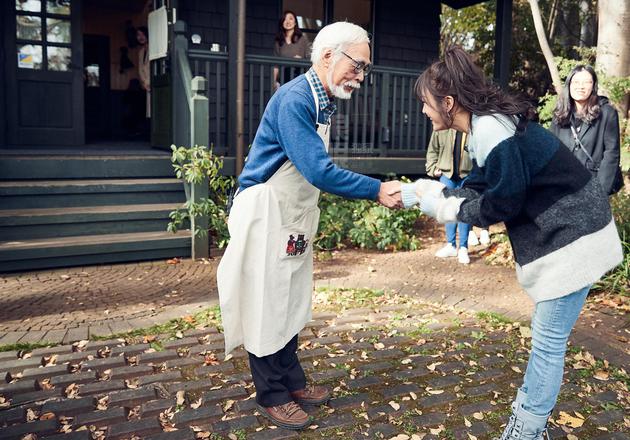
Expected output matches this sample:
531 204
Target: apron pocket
297 237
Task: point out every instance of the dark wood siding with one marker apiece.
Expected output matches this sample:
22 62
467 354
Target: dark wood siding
3 101
406 33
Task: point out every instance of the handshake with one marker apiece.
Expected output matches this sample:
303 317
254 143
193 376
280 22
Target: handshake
390 195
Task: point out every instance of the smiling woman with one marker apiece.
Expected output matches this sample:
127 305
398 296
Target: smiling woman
589 126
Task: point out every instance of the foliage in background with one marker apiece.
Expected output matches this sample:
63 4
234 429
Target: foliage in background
193 165
618 280
364 224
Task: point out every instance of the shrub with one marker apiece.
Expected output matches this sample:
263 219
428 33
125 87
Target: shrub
193 165
364 224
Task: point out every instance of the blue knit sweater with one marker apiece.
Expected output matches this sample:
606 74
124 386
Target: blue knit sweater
287 131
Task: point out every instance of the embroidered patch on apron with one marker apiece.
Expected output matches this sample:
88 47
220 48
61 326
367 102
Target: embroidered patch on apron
296 246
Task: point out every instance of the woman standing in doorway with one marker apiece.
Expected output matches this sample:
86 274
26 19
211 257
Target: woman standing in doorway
290 43
589 126
558 220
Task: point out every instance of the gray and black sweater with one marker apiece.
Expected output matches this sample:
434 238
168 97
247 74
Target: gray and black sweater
557 217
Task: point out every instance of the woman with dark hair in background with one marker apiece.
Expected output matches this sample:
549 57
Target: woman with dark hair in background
290 43
589 126
558 220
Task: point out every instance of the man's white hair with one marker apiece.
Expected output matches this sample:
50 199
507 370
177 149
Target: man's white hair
337 36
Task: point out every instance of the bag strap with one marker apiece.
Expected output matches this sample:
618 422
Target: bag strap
579 143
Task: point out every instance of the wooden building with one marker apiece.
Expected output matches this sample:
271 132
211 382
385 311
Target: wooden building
85 178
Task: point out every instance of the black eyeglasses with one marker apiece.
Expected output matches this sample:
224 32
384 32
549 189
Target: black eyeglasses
359 66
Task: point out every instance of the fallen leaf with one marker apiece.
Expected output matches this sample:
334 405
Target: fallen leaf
31 415
228 405
571 437
526 332
394 405
432 366
196 404
478 415
181 397
48 361
515 368
101 404
438 430
47 416
45 384
173 261
601 375
471 437
467 423
71 391
568 420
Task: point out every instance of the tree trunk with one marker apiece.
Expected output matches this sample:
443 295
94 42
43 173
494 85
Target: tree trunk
544 45
613 48
587 24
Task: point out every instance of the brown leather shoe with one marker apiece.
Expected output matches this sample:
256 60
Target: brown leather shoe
288 416
311 395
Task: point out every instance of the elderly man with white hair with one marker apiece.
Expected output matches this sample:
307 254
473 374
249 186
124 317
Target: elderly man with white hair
265 278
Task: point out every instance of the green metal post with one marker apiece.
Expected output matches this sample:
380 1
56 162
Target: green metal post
200 136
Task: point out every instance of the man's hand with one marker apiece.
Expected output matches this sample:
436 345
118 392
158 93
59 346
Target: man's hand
389 195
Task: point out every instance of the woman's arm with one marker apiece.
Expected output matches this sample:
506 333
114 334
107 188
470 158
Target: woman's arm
611 149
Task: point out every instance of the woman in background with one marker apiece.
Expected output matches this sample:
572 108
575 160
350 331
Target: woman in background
290 43
589 126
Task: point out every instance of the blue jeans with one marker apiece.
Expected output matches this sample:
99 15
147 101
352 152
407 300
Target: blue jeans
451 228
552 323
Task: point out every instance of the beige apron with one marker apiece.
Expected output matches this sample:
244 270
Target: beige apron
265 277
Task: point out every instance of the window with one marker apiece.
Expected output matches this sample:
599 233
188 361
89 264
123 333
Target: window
310 15
43 33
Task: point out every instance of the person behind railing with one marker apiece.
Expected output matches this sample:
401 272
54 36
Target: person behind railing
589 126
290 42
265 278
557 218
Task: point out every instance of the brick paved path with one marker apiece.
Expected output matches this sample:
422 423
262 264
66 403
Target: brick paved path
68 305
400 368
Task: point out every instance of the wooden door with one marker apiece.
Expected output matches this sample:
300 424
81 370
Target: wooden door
44 72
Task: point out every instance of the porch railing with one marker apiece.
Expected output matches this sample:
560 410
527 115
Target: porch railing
191 128
383 119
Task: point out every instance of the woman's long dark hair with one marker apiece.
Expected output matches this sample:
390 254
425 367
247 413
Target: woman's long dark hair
297 33
565 107
458 76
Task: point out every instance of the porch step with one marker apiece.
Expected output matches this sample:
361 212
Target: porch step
92 249
52 166
31 194
26 224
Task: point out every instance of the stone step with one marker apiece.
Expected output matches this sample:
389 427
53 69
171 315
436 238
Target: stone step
92 249
33 194
25 224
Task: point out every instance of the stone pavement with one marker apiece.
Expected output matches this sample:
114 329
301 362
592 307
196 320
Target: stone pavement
400 367
68 305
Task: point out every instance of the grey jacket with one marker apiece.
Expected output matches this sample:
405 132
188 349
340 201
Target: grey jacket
601 139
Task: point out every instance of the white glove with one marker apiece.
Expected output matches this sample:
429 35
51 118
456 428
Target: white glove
429 187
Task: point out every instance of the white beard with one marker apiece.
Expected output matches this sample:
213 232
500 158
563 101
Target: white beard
338 91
